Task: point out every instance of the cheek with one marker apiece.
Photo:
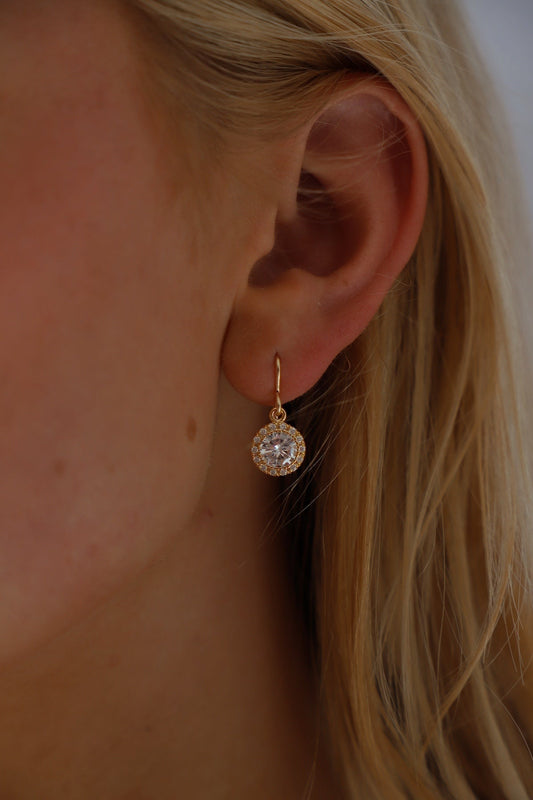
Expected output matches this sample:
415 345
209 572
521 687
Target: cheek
104 432
105 416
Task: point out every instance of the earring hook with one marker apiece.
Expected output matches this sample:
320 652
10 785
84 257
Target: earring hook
277 366
278 413
278 448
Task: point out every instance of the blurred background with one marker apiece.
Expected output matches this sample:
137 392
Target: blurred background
504 29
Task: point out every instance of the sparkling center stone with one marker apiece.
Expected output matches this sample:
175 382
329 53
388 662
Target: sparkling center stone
278 449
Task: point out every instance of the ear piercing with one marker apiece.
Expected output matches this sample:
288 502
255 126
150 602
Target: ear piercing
278 448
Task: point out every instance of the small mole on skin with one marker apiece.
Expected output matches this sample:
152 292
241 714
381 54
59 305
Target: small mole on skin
59 466
191 429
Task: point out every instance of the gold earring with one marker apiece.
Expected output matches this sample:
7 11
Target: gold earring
278 448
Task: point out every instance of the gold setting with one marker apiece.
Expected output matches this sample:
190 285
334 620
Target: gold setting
291 438
288 430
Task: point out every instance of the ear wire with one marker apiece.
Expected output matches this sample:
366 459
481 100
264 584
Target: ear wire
278 448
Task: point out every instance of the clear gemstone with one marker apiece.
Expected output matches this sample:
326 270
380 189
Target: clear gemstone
278 449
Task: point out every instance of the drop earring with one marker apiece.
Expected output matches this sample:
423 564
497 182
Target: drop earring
278 448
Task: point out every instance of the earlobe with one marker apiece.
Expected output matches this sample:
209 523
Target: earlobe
351 227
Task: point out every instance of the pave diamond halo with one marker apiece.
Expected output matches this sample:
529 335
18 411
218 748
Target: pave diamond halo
278 448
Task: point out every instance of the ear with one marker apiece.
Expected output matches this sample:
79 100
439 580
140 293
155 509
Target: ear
347 226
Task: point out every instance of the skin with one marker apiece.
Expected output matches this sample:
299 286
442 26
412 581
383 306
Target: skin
147 643
102 285
150 645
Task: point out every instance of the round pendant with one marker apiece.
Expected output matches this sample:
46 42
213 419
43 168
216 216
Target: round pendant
278 448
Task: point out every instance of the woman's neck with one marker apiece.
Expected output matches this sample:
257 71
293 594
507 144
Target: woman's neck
192 682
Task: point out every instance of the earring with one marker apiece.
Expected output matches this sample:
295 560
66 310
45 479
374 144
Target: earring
278 448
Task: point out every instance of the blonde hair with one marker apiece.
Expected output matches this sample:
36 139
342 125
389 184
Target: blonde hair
409 525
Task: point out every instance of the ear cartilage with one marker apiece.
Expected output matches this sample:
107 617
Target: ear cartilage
278 448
